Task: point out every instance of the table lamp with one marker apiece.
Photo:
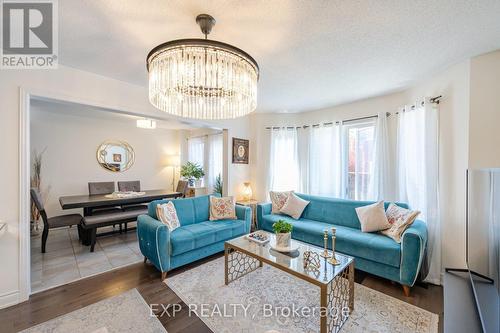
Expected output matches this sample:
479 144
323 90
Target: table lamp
247 191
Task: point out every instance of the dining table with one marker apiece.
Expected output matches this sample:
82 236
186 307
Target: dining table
89 202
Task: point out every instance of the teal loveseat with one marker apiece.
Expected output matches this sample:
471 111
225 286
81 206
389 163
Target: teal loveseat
196 238
373 252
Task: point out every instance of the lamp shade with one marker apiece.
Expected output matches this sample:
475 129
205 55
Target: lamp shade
173 160
247 191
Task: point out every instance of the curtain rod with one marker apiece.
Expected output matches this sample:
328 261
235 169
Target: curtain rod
434 100
203 135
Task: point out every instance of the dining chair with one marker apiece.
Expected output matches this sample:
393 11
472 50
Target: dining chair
52 222
101 188
129 186
182 186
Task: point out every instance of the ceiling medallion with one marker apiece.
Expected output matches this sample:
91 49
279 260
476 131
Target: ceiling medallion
202 78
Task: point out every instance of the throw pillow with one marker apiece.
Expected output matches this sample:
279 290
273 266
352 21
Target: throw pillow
278 200
400 219
222 208
168 215
372 217
294 206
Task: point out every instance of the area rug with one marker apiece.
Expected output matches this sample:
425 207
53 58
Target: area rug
127 312
263 301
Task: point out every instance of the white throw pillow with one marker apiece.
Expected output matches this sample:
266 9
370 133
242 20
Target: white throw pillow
400 219
372 217
222 208
168 215
278 200
294 206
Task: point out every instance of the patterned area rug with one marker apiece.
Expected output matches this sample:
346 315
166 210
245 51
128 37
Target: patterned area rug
269 296
127 312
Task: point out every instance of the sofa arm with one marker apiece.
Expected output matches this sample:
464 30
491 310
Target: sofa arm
263 209
413 245
154 241
244 213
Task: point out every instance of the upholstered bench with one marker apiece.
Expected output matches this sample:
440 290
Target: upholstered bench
92 222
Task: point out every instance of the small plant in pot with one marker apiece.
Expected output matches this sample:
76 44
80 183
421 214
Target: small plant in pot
192 171
283 231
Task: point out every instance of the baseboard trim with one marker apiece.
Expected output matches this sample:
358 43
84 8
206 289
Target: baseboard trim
9 299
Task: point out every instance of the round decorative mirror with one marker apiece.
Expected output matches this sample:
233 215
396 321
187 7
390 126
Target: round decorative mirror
116 156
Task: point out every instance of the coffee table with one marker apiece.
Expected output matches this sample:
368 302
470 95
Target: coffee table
336 283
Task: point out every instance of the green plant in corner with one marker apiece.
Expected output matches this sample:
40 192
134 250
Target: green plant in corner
218 185
282 227
192 171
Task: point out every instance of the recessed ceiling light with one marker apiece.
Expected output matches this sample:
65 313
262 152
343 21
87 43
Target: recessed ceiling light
146 123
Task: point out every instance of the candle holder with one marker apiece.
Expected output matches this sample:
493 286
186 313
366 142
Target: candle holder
326 253
333 260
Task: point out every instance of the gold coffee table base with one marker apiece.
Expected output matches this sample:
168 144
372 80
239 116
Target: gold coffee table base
336 292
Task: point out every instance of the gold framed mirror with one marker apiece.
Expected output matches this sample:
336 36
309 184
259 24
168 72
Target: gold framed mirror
115 156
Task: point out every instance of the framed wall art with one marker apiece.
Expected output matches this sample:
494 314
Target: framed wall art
240 151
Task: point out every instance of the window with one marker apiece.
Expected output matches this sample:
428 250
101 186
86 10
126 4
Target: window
215 159
284 168
359 147
207 151
196 150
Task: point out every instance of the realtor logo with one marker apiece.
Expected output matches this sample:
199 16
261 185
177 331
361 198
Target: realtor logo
29 34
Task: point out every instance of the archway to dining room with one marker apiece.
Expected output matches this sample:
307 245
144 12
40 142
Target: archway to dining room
96 166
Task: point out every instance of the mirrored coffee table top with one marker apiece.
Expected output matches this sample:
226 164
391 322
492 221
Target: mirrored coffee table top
292 262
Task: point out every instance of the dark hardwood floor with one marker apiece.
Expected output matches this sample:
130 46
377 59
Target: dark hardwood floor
67 298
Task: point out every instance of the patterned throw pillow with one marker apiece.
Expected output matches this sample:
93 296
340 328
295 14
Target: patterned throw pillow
168 215
278 200
222 208
400 219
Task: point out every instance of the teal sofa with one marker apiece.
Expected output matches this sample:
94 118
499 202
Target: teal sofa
373 252
196 238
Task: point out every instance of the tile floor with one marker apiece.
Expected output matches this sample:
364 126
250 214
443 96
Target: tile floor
67 260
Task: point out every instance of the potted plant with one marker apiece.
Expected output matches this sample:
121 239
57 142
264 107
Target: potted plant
283 231
218 185
192 171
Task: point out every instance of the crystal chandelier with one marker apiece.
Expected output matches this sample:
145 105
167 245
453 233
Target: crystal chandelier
202 78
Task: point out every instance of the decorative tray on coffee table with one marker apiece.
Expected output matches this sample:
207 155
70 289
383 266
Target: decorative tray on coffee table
258 237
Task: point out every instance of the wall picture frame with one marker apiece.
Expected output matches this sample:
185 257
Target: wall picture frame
240 151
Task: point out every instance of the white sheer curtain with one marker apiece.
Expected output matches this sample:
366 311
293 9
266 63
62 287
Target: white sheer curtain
284 163
418 174
214 158
196 150
326 168
381 173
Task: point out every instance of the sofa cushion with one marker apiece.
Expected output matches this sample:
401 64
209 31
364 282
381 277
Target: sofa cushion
294 206
351 241
189 210
194 236
335 211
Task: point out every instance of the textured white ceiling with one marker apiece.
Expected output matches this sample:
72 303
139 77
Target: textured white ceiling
312 54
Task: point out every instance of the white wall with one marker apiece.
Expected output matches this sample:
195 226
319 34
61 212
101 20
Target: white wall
485 111
76 86
70 143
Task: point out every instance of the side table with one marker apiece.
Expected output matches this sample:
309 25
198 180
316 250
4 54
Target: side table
253 205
